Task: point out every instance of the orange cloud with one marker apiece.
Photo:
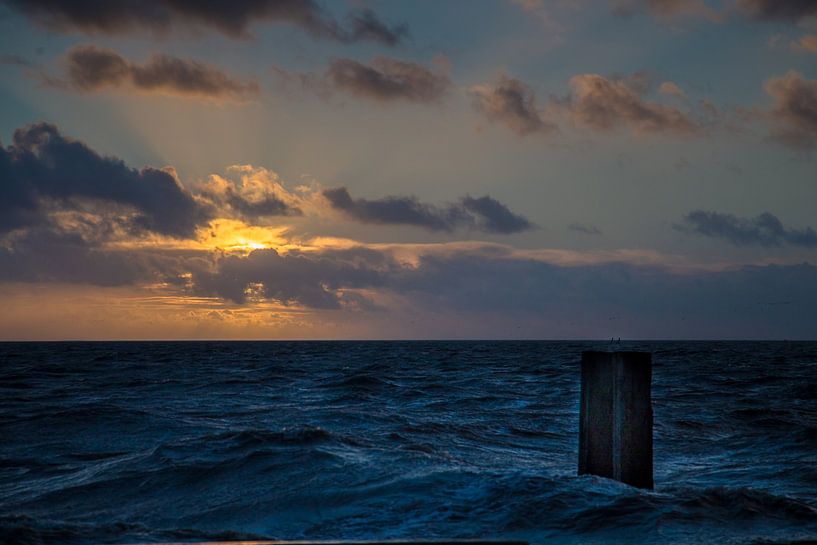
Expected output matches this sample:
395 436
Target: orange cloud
511 102
602 103
793 110
806 43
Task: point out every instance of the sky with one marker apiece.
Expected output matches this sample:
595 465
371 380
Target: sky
503 169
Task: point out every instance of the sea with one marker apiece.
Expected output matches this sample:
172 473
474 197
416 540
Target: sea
141 442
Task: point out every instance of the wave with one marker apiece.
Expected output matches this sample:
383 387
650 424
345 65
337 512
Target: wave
139 442
25 530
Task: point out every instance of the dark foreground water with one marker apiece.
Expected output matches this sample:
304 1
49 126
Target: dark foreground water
126 442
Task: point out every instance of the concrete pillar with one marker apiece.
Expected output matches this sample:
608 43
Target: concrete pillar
615 422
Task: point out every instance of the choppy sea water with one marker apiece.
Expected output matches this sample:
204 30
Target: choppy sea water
159 441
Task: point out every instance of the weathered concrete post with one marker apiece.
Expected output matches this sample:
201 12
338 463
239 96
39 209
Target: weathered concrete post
615 422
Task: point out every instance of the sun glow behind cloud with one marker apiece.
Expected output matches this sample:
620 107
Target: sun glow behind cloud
221 234
236 236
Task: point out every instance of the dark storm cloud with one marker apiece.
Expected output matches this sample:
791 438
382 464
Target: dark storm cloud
760 10
396 210
42 170
385 79
762 230
779 10
482 213
230 18
605 103
718 303
307 279
649 298
794 111
91 68
511 102
496 280
492 216
51 255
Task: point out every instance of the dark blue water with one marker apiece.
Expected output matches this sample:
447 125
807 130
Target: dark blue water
126 442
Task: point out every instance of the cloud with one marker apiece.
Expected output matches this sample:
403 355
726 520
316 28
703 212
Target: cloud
596 102
659 303
792 11
49 181
642 301
664 8
806 43
310 280
256 194
365 25
671 89
794 111
584 228
16 60
778 10
511 102
48 255
90 68
549 16
762 230
586 295
529 5
385 79
483 213
492 216
605 104
43 171
393 210
471 293
232 19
